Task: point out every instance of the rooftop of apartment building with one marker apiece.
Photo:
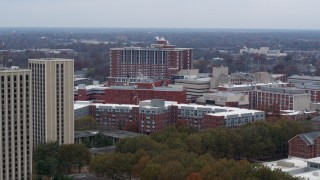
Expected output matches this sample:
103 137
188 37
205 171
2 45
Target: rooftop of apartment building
195 80
50 59
224 94
161 43
304 77
289 90
82 104
136 87
12 69
223 111
237 112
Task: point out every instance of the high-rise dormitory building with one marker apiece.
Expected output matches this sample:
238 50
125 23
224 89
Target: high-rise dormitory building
159 61
16 124
52 82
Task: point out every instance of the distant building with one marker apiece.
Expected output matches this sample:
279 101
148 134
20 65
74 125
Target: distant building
159 61
310 83
16 124
230 99
263 50
218 71
283 98
305 145
53 116
275 95
315 107
78 81
195 87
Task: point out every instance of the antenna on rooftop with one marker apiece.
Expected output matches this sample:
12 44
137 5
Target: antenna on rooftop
1 61
10 62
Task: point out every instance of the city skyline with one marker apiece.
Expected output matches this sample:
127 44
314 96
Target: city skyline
272 14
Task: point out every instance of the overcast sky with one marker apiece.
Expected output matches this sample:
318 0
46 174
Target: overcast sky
274 14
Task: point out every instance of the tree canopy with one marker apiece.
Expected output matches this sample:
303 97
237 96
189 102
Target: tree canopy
52 159
182 153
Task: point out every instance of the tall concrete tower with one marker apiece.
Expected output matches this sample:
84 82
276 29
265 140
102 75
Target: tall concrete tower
53 116
16 124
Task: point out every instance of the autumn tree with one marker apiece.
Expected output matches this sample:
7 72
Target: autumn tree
86 123
71 156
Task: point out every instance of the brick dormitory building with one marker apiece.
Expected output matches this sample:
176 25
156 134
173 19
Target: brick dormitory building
305 145
154 115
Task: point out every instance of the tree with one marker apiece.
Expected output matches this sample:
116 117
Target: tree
62 177
113 165
90 72
86 123
194 176
101 140
140 166
173 170
151 172
72 156
45 158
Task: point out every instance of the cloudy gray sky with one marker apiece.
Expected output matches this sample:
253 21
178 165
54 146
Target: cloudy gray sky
279 14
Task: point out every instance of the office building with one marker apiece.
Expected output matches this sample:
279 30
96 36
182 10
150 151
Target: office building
195 87
310 83
52 82
16 124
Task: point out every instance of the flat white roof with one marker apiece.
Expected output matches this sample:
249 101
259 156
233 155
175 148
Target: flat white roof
130 106
93 87
310 175
80 104
315 160
298 163
166 104
194 80
234 112
51 59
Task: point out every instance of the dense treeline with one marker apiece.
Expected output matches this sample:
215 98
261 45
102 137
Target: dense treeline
183 153
54 160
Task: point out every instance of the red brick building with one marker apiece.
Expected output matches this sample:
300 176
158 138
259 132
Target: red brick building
305 145
129 94
159 61
154 115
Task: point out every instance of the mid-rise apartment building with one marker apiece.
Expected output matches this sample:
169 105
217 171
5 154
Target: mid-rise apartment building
52 84
16 124
154 115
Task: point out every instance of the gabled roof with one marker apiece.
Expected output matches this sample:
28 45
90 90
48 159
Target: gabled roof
309 137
